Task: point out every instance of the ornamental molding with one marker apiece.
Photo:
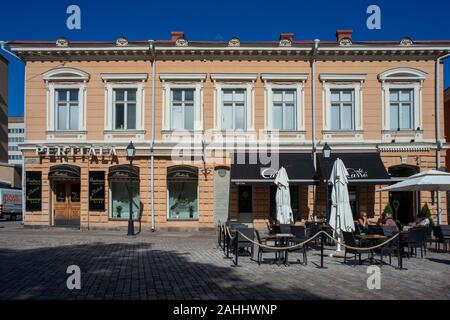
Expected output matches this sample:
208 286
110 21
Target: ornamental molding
121 42
285 43
234 42
181 42
345 42
406 42
62 43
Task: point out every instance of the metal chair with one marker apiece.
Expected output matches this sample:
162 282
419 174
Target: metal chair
349 240
299 233
414 240
262 250
240 242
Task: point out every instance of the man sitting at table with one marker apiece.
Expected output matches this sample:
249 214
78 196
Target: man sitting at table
422 220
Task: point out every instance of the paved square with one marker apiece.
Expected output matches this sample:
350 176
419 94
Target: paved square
165 265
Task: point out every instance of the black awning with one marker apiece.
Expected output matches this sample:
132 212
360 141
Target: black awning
363 168
251 168
64 172
123 172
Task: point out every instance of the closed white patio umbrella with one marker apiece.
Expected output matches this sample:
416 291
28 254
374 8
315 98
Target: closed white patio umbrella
341 217
283 197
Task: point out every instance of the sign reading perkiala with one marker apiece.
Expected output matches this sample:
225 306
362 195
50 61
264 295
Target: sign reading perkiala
93 151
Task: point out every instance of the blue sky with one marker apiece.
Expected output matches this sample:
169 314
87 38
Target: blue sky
250 20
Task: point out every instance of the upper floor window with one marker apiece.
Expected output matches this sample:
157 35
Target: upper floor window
66 99
182 107
401 109
342 109
233 109
284 110
124 109
67 109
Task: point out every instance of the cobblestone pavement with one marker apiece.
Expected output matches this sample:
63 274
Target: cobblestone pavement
165 265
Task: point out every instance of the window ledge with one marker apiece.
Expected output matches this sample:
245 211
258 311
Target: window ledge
66 132
124 131
284 132
181 132
342 132
185 220
402 132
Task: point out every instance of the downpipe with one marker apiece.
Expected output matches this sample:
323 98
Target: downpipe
152 157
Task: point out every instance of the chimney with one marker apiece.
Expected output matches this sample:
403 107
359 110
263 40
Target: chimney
287 36
175 35
342 34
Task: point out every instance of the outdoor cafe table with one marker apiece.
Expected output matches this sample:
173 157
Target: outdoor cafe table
281 240
371 240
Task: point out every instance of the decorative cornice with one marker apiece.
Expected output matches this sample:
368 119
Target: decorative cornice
342 77
124 76
284 76
233 76
183 76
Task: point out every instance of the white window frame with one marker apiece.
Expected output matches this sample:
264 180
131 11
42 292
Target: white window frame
110 107
298 86
402 79
400 103
183 107
125 103
248 87
340 109
182 81
52 106
342 82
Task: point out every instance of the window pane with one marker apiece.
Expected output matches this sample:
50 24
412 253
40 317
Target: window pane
74 117
120 200
228 95
289 96
239 96
176 95
183 203
277 117
62 117
73 95
289 117
189 117
347 96
394 116
239 113
405 112
227 117
335 117
120 116
393 94
131 116
120 94
406 95
189 95
277 96
335 96
131 95
177 117
347 117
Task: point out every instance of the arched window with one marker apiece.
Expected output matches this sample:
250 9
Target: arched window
66 90
402 100
182 193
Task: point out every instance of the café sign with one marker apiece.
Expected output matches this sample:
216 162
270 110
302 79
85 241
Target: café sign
64 151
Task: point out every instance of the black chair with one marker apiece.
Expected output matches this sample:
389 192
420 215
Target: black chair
389 231
240 243
299 233
349 240
442 235
285 228
262 250
415 239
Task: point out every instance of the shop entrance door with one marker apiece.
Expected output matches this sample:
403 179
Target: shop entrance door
66 204
245 204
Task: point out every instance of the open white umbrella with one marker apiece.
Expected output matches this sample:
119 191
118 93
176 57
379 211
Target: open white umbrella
283 197
431 180
341 218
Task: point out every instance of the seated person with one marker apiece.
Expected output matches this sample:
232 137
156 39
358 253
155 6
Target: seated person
389 221
422 221
363 222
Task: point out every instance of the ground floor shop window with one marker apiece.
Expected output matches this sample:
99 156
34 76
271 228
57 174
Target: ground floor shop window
295 202
182 192
120 199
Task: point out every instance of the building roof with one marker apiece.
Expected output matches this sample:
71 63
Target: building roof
15 119
181 48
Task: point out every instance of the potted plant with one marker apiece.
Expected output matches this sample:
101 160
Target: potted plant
426 212
119 211
191 211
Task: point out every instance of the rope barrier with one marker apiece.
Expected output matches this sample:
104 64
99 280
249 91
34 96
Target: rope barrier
301 244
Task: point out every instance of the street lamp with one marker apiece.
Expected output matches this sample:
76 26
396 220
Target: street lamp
326 154
131 151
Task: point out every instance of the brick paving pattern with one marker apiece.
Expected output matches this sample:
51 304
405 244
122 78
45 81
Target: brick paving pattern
165 265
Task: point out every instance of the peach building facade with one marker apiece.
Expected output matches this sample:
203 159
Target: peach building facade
212 122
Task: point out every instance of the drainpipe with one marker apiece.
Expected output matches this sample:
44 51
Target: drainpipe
438 129
2 47
313 105
152 143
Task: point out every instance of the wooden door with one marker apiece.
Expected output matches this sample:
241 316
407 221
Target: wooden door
66 203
